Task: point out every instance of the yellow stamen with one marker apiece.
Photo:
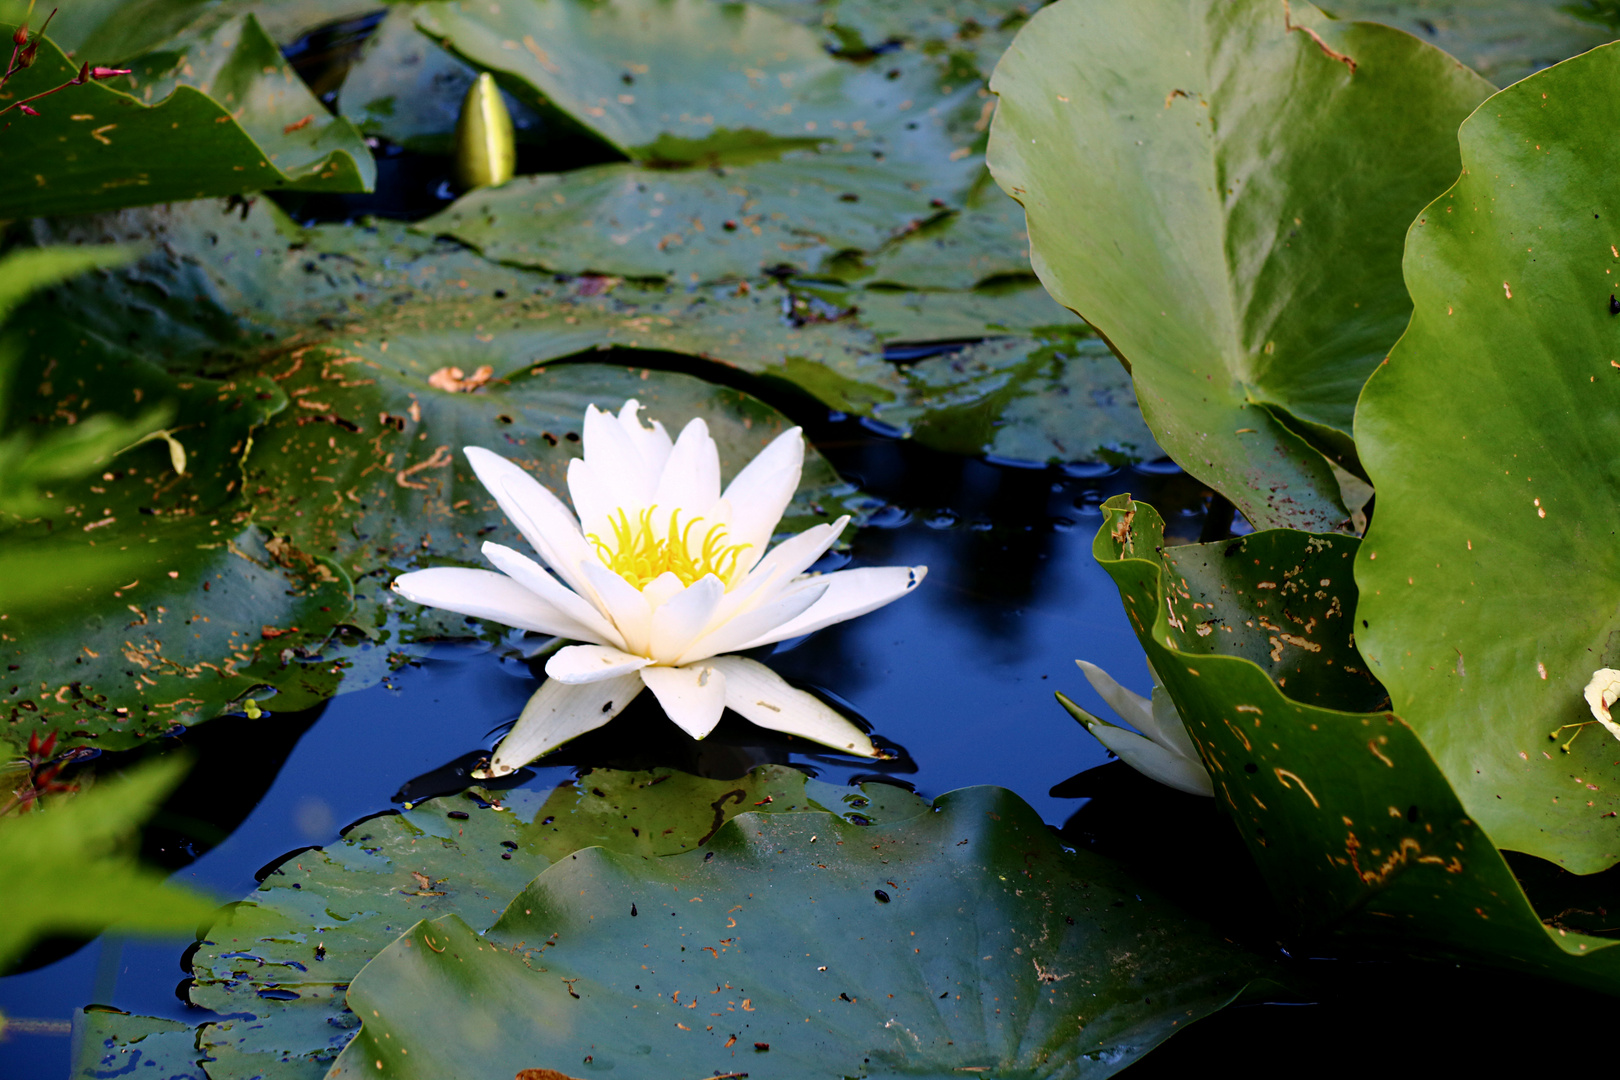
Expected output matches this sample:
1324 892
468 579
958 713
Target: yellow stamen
639 555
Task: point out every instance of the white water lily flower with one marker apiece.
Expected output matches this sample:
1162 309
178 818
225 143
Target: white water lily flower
1167 754
660 573
1601 693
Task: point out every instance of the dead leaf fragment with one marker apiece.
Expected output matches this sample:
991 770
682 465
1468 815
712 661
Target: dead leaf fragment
542 1074
452 380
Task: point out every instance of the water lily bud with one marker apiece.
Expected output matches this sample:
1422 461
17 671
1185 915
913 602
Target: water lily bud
486 145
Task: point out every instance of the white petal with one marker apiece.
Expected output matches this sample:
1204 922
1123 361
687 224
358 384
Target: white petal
694 696
1154 761
661 588
1172 731
485 594
849 593
684 617
759 695
653 444
623 603
691 477
622 475
760 494
730 636
777 570
592 663
559 712
598 507
1601 693
1132 707
588 623
549 526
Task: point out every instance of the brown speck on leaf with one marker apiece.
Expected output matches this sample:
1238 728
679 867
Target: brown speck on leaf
452 380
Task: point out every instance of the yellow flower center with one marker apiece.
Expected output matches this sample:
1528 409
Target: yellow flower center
639 555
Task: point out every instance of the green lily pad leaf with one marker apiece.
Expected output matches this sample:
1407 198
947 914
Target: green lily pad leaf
1057 397
109 31
65 873
106 1040
684 81
239 66
985 239
694 225
408 90
1503 40
322 915
98 148
1250 312
1016 305
1489 559
788 936
1347 814
980 28
210 605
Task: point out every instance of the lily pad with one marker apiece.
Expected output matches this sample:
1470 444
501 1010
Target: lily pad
405 88
65 871
1347 814
1503 40
211 602
278 962
694 225
1488 577
692 81
986 239
1217 193
107 31
1058 397
780 945
98 148
239 66
108 1040
980 28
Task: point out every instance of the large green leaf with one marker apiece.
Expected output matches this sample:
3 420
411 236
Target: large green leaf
1488 583
1503 40
1213 188
107 31
1053 397
353 898
65 871
681 81
245 278
1347 814
98 148
980 28
151 599
695 225
803 945
985 239
239 66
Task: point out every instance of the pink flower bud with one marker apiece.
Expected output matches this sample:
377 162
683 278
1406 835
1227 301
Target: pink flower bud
28 111
19 36
107 72
26 57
